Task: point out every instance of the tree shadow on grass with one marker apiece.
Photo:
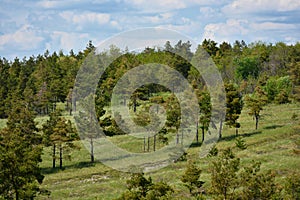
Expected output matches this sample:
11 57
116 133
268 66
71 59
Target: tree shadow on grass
80 165
195 144
273 127
232 137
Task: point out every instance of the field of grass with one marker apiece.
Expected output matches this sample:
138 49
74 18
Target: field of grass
273 144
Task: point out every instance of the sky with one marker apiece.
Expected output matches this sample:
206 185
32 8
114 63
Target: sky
31 27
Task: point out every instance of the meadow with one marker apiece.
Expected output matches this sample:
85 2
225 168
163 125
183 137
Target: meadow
273 144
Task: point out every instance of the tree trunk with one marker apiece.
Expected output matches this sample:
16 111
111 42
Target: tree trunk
60 156
134 106
182 137
256 121
70 108
74 104
17 194
220 130
154 142
92 151
202 133
144 143
148 149
197 133
236 131
177 137
53 156
225 193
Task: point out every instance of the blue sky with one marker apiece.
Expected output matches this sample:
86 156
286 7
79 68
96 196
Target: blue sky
30 27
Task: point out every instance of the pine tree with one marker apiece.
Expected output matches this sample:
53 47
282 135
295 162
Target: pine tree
234 106
255 103
224 177
191 177
205 113
86 123
256 184
60 133
21 152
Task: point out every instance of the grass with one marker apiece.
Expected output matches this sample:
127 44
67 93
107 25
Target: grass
273 144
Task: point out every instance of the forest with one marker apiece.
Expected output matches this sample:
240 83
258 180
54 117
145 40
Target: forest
38 107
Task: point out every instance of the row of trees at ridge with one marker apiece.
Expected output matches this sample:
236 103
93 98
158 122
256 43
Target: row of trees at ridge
42 81
49 78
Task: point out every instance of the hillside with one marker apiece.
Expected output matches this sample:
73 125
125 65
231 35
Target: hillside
274 144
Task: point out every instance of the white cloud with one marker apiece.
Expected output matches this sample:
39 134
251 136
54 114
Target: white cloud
49 4
116 24
68 41
25 38
160 18
271 26
157 5
87 17
226 31
253 6
237 29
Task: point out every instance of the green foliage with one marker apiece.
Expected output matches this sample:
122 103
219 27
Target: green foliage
292 186
141 188
191 178
294 116
205 112
21 152
247 67
224 175
210 47
213 151
257 185
159 191
278 89
59 132
173 112
295 78
139 183
255 103
240 143
230 181
234 105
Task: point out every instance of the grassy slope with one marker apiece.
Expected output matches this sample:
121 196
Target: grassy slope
272 144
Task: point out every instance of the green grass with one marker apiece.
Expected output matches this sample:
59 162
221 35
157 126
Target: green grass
273 144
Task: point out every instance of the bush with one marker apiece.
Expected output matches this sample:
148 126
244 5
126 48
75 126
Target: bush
240 143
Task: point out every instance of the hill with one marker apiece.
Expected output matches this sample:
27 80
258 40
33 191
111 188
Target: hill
274 144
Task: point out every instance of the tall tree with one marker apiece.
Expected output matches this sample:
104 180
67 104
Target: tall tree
48 129
255 103
210 47
4 87
173 114
63 137
87 122
234 106
205 113
21 152
59 133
